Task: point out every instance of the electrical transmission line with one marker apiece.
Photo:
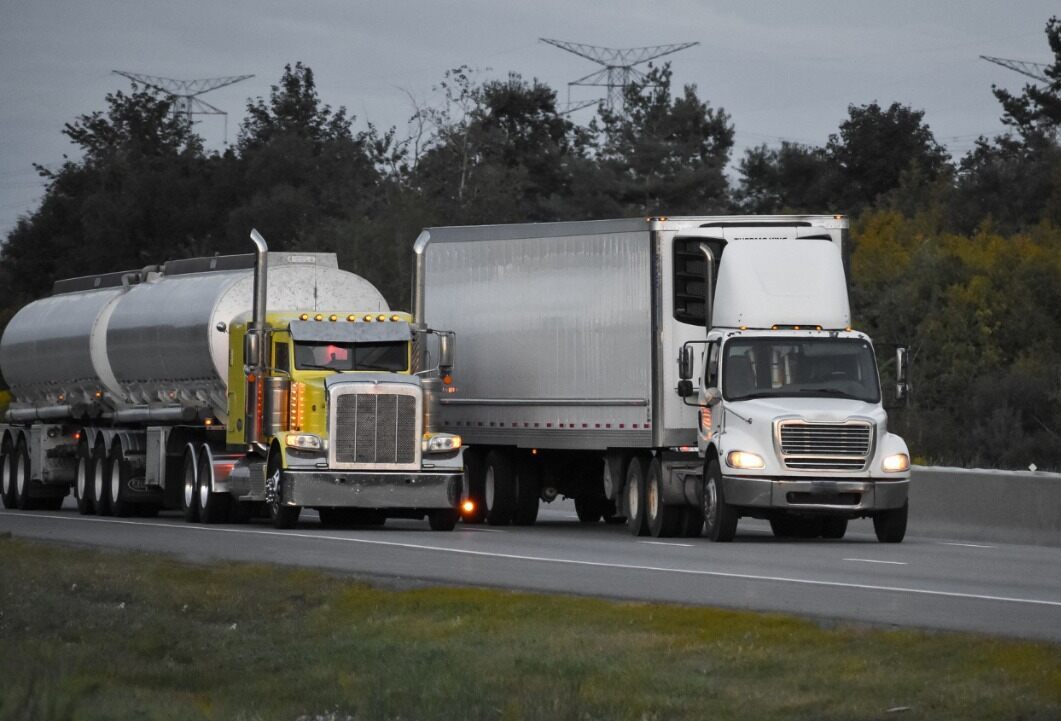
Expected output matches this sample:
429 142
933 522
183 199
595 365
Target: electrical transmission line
1036 71
618 72
185 93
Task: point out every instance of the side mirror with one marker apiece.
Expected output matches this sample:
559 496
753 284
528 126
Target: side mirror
902 373
685 388
712 396
685 364
446 343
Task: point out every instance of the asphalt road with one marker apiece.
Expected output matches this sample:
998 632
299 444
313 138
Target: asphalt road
993 588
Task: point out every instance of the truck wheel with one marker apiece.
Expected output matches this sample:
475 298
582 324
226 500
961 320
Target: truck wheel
635 496
100 479
611 515
443 519
21 476
498 489
528 493
282 516
692 523
834 527
890 526
720 518
213 506
86 504
589 509
7 485
189 483
663 520
117 491
473 485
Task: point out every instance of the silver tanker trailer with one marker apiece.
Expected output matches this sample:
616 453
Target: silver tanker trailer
225 387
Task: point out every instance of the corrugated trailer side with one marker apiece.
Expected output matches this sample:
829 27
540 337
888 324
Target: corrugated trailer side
554 328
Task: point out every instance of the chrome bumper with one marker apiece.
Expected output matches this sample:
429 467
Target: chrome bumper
358 489
851 495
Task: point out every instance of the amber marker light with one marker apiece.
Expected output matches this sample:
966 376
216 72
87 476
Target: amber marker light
396 318
318 317
351 317
304 316
333 318
368 319
468 507
447 379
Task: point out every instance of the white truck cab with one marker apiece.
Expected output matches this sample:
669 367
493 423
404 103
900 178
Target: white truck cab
791 426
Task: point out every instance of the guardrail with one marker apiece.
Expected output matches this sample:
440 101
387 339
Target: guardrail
985 505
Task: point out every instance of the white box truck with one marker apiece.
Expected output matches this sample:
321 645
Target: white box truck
676 372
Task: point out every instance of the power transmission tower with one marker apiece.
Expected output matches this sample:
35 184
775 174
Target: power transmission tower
618 72
1024 67
185 93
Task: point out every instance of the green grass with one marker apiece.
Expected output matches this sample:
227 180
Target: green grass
90 634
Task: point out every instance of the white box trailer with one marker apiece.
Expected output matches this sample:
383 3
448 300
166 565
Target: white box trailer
571 337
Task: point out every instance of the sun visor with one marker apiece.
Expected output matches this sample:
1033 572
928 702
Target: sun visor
347 332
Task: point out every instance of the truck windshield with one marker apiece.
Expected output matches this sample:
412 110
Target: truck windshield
340 356
813 367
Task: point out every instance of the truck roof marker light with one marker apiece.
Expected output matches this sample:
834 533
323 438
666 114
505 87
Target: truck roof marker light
352 318
304 316
743 327
333 318
396 317
318 317
381 317
368 318
847 328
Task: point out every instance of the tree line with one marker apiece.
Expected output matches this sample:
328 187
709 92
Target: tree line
958 258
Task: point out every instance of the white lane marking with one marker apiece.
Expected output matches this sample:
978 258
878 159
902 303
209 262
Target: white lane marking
874 560
667 543
542 559
966 545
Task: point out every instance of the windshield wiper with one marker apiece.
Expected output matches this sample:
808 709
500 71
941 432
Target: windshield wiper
315 367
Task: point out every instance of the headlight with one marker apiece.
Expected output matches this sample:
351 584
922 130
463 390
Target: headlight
896 463
745 460
440 442
304 442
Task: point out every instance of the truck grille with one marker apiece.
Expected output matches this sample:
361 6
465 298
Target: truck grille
825 446
375 429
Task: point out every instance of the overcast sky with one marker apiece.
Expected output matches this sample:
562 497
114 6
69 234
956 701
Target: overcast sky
782 70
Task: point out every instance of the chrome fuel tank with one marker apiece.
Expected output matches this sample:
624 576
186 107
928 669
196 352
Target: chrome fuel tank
158 341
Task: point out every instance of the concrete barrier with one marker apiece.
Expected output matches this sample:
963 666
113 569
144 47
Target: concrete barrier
985 505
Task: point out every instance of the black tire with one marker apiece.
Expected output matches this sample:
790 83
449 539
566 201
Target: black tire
634 495
692 523
499 489
189 486
86 503
834 528
720 518
117 490
22 476
890 526
528 492
213 506
7 473
590 508
663 520
474 480
443 519
611 515
100 479
281 515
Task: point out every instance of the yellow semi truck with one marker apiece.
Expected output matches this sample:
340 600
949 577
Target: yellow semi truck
228 387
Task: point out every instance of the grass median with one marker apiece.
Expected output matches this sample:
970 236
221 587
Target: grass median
87 634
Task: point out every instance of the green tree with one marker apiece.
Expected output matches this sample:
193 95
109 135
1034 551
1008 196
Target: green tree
1037 110
794 178
665 154
874 147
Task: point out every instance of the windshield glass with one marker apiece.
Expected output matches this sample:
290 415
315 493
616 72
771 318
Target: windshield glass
340 356
812 367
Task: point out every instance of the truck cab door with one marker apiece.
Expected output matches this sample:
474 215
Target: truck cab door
710 416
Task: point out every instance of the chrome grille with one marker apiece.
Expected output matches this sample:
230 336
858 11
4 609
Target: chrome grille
825 446
375 429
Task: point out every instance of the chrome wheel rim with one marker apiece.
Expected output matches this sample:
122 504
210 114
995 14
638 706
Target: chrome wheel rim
189 488
97 480
5 475
488 493
20 474
82 476
204 491
632 500
116 480
710 500
652 500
